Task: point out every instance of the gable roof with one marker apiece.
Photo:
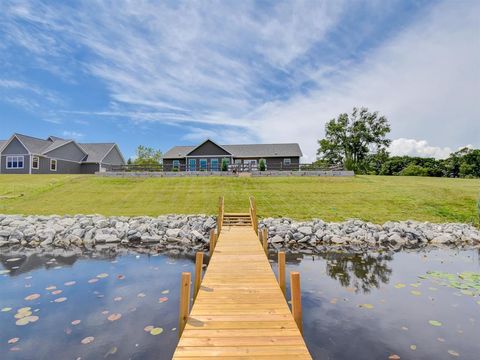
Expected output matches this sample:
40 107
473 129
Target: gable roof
2 143
96 151
245 150
206 141
32 144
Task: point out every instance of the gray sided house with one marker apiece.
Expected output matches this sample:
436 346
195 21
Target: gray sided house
22 154
208 156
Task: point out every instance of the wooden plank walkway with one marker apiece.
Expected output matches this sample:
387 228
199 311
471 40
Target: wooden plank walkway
240 311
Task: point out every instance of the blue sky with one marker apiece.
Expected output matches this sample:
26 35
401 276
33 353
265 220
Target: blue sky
166 73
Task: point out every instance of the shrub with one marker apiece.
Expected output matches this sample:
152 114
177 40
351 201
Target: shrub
224 165
262 165
414 170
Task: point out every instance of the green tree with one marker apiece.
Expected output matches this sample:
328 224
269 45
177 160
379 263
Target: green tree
147 156
349 139
224 164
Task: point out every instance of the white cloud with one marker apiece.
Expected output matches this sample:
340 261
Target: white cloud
72 134
426 81
420 148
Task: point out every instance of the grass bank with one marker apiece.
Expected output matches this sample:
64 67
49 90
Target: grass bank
371 198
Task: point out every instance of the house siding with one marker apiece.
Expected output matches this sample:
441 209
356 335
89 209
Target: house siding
113 158
26 165
68 152
208 149
63 167
15 147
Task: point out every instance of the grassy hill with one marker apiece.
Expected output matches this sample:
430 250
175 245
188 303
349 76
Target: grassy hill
372 198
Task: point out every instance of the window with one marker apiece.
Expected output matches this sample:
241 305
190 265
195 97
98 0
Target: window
192 164
35 162
214 164
176 164
287 161
15 162
53 165
203 164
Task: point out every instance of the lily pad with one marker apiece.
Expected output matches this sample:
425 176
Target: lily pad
118 298
60 300
22 314
50 288
76 322
102 275
87 340
148 328
400 285
163 299
165 291
434 323
6 309
92 281
26 320
415 292
141 295
156 331
56 292
13 340
70 283
114 317
413 347
453 353
394 357
366 306
32 297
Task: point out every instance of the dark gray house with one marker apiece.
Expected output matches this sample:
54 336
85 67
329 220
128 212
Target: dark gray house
22 154
208 156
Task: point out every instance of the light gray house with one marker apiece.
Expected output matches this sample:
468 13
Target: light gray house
22 154
208 156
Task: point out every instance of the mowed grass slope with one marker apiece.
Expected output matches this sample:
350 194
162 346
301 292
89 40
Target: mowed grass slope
371 198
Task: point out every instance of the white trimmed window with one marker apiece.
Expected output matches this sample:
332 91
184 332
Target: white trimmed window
287 161
15 162
176 164
53 165
35 162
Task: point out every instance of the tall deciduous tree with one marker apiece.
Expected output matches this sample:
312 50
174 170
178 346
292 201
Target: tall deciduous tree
349 139
147 156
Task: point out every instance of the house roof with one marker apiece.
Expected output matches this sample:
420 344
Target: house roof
246 150
96 151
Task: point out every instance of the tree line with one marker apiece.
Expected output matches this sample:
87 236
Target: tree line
359 142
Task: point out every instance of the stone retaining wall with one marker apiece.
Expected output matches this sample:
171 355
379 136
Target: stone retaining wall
274 173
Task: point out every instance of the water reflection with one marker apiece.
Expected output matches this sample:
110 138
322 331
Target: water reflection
361 271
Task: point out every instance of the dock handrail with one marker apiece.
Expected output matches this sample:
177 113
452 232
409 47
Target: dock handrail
253 213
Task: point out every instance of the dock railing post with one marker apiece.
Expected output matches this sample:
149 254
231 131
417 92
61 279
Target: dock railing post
198 273
296 299
213 241
265 239
184 302
281 271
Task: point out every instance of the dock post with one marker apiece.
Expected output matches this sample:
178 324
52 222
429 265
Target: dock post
265 239
184 302
213 241
198 273
281 271
296 298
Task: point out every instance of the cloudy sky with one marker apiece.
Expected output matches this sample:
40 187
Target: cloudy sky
161 73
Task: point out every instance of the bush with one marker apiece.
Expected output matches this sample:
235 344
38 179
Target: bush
262 165
224 165
414 170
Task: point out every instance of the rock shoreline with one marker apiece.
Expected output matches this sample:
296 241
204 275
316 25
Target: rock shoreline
317 235
178 234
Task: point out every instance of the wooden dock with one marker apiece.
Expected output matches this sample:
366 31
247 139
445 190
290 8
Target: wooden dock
240 311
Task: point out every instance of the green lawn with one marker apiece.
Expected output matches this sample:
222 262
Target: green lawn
372 198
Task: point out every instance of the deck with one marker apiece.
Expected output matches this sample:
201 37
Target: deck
240 311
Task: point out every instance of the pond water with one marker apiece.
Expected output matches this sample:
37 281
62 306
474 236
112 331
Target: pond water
415 305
